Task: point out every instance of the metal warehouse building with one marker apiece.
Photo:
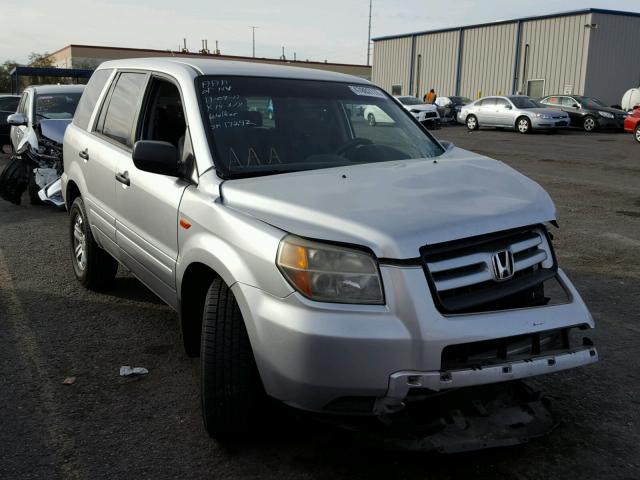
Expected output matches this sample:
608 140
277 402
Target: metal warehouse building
587 52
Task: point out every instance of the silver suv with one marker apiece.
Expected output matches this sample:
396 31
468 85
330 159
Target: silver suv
312 258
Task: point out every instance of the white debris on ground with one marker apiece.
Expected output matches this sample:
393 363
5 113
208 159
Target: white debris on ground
69 381
126 371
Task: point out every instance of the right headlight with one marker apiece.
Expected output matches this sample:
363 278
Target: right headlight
330 273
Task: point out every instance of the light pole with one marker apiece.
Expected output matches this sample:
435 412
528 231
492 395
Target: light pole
369 36
253 31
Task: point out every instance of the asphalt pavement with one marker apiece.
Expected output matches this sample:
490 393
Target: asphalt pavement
107 426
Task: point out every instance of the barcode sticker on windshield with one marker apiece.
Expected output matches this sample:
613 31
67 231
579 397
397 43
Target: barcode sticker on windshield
366 91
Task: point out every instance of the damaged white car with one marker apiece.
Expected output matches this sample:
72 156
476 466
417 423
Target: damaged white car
37 131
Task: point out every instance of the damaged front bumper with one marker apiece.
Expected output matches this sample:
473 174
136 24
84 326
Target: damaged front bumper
400 383
52 193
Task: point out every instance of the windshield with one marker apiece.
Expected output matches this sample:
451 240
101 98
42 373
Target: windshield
410 101
57 105
261 126
587 102
524 102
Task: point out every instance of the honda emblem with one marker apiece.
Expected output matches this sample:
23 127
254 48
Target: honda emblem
502 265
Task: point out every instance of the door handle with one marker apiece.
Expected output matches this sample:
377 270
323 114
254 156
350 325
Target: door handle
84 154
123 177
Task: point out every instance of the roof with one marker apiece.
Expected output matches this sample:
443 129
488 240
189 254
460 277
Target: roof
206 66
48 89
209 55
521 19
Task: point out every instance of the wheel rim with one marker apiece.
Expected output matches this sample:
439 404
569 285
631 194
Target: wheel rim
638 134
589 123
471 123
79 243
523 125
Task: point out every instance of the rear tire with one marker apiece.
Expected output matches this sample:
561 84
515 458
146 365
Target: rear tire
638 133
589 124
371 119
231 390
472 122
94 268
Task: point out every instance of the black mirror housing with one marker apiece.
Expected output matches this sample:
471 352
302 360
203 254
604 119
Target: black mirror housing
156 157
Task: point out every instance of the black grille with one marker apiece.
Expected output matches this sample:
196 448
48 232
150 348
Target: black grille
467 263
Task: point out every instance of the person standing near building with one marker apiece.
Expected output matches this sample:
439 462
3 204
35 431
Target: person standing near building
430 97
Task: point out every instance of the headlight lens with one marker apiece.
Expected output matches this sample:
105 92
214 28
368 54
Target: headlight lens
329 273
543 115
606 114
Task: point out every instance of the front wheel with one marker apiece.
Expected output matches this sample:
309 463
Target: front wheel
589 123
638 133
523 125
371 119
94 268
472 122
231 390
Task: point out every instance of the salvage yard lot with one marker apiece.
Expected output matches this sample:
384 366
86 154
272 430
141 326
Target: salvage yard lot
105 426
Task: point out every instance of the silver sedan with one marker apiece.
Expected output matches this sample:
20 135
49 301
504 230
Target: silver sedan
518 112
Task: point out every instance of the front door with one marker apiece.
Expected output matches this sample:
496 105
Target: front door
147 203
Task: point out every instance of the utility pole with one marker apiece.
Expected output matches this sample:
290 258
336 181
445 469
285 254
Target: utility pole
253 31
369 36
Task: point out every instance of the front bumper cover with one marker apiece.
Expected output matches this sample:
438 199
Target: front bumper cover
401 382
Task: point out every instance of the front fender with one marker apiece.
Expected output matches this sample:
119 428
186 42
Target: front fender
236 246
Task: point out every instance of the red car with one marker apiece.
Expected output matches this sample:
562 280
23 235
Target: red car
632 122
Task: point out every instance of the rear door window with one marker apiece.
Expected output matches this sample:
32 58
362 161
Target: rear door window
90 97
118 117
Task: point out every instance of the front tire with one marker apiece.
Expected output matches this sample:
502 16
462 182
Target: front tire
472 122
523 125
231 390
589 123
94 268
371 119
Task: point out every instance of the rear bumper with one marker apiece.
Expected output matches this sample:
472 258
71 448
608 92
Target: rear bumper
401 382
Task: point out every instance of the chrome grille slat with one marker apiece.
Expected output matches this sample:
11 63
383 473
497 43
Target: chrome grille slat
461 272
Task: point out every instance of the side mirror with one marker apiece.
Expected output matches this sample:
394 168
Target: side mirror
156 157
17 119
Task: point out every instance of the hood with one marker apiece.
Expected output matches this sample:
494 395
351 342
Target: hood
425 107
394 208
615 111
554 111
54 129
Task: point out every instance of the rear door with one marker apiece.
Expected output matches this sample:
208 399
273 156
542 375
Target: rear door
503 113
486 112
147 203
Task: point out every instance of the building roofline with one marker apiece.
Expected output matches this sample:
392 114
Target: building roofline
210 55
514 20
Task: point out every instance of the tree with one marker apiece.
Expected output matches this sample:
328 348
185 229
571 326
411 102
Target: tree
5 79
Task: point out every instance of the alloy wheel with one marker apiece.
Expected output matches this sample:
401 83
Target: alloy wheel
472 123
523 125
589 124
79 243
638 133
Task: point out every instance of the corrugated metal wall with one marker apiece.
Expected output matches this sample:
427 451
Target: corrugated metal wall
487 60
557 53
614 57
438 62
392 63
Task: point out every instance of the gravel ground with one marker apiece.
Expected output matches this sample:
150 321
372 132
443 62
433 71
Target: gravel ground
105 426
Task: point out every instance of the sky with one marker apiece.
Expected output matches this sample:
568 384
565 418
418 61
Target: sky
333 30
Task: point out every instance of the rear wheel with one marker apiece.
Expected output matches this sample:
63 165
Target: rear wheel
371 119
638 133
589 123
472 122
94 268
523 124
231 390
